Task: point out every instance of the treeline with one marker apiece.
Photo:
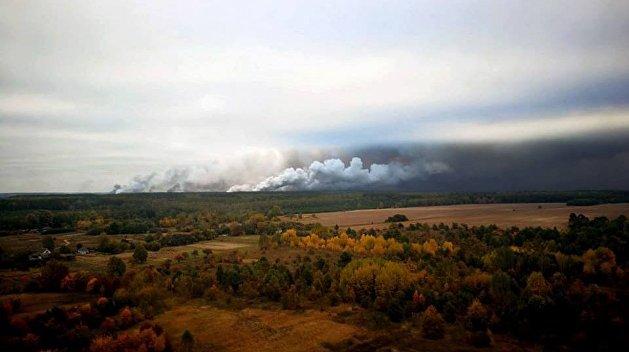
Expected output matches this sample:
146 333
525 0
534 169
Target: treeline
137 212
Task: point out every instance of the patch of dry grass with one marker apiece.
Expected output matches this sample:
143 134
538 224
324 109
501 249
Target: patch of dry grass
98 261
503 215
33 303
254 329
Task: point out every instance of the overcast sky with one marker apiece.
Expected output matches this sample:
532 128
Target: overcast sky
93 93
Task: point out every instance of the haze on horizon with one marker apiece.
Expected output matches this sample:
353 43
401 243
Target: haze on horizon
294 95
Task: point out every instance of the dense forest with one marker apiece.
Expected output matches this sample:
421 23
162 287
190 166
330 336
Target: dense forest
140 211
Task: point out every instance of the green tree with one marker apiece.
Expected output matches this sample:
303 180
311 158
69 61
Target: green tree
221 277
274 212
344 259
140 254
116 266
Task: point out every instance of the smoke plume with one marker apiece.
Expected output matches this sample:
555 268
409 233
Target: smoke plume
332 174
588 162
217 175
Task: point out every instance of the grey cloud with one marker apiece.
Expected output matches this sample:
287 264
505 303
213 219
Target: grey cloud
587 162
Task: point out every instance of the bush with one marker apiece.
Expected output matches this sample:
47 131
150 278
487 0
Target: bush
52 273
397 218
116 266
344 259
140 254
433 325
187 341
477 317
148 338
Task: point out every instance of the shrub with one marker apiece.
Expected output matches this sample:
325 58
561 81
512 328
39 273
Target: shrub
116 266
476 321
187 341
477 317
397 218
344 259
140 254
149 338
537 285
52 273
433 325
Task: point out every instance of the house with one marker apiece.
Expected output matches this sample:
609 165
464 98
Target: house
46 253
83 251
34 257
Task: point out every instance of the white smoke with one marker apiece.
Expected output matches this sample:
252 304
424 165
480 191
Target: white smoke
249 172
216 176
332 174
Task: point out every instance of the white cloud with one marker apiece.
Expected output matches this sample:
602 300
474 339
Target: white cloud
535 127
42 105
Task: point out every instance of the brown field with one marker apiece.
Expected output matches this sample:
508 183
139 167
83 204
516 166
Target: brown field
32 241
254 329
98 261
341 328
33 303
502 215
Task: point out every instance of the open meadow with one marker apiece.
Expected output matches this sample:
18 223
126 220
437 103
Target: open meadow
503 215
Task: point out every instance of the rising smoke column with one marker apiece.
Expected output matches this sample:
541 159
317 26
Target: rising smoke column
244 172
332 174
217 174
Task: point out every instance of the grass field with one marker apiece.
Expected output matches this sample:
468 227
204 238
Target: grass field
254 329
33 241
271 329
33 303
502 215
98 261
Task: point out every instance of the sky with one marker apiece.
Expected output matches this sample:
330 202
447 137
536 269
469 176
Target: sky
283 95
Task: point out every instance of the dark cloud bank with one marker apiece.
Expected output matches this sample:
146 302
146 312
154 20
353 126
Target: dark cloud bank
588 162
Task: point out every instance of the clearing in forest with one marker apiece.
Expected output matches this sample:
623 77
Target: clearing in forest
502 215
